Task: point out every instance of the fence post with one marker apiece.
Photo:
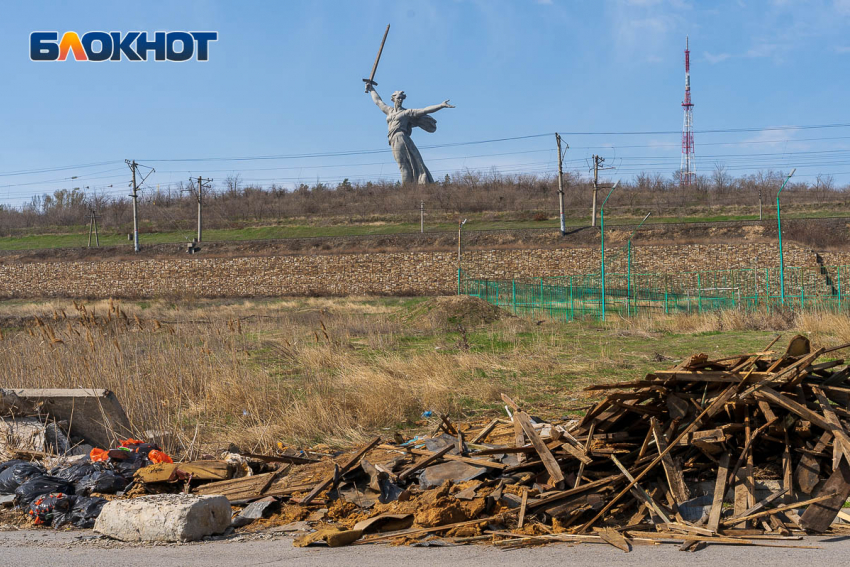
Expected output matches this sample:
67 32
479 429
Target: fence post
513 294
572 303
767 287
699 293
541 302
838 268
666 309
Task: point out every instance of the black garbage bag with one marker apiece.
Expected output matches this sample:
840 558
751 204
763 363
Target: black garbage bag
5 465
40 486
105 482
44 508
82 513
16 474
76 472
129 465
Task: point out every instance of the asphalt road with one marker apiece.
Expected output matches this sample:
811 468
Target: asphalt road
45 548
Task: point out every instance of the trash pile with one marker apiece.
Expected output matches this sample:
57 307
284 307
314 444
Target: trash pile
72 493
751 449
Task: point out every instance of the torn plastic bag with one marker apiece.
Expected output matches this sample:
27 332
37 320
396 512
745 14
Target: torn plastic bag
43 508
16 474
82 513
77 471
39 486
127 467
5 465
104 482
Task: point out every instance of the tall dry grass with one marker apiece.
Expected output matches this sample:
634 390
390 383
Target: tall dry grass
304 371
252 374
824 327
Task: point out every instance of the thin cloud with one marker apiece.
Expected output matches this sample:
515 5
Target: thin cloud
716 58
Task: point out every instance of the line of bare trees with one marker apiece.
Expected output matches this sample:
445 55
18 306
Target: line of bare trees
233 203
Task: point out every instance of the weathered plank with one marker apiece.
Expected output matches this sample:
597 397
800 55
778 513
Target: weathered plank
719 492
671 469
556 475
424 462
819 516
482 435
792 406
468 460
807 472
342 470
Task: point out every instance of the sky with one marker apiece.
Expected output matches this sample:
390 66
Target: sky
284 83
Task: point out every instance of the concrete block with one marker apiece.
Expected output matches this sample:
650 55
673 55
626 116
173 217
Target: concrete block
93 414
164 517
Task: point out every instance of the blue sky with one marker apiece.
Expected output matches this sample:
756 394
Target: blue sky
284 79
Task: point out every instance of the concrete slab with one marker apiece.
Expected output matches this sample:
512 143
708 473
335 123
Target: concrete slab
93 414
164 517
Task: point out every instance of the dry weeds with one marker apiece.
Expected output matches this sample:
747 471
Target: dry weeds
305 371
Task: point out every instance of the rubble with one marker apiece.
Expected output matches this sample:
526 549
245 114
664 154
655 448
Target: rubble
164 517
93 414
750 449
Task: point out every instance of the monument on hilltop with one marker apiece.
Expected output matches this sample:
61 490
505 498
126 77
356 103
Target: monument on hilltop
400 124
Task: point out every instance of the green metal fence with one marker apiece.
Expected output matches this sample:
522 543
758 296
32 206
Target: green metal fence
571 297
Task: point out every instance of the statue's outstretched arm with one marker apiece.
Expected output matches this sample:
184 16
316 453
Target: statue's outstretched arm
376 98
434 108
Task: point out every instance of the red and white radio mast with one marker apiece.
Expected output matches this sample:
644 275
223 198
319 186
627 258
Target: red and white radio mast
688 169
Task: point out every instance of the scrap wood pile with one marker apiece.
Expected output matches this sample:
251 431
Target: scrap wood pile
745 450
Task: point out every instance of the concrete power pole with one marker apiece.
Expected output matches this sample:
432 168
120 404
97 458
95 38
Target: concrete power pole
596 162
202 184
134 168
561 185
133 165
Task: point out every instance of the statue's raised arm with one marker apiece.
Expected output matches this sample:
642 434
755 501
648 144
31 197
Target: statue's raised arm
376 98
431 109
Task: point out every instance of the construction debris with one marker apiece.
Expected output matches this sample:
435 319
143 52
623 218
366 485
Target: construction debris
751 449
164 517
93 414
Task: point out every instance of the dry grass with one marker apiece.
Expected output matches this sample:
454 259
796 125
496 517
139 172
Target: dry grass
300 371
305 371
713 321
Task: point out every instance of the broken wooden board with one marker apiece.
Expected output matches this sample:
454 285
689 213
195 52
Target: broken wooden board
818 517
170 472
556 476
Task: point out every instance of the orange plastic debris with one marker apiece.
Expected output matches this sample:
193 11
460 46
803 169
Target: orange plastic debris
157 457
98 455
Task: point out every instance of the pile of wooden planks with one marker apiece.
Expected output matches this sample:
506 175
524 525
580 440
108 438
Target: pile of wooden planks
752 449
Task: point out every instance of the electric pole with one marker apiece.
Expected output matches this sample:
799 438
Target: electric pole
561 185
202 184
93 227
135 197
133 168
596 162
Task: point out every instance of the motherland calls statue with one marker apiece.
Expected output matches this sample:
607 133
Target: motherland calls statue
400 123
